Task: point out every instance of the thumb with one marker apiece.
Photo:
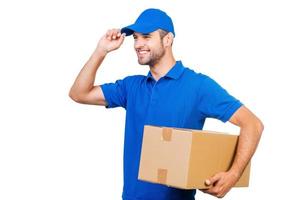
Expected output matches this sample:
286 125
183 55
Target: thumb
120 41
212 180
122 38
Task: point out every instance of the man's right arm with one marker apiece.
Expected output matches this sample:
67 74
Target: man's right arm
83 89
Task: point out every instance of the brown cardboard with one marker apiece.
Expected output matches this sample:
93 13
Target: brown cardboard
185 158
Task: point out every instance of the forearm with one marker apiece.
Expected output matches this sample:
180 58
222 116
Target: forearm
247 144
250 133
86 78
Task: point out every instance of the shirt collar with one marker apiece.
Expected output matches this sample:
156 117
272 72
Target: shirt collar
173 73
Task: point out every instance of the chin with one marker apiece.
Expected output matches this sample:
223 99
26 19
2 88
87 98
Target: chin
143 62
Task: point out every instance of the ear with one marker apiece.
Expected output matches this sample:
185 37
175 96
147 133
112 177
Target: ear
168 39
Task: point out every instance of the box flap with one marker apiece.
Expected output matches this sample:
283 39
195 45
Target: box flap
165 156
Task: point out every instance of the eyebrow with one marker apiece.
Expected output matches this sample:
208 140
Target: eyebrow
148 34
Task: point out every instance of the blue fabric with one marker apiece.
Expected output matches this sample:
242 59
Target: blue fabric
150 20
183 99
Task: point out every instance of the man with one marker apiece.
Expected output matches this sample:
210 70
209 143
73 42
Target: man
170 95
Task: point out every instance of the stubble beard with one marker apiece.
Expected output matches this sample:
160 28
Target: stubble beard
154 57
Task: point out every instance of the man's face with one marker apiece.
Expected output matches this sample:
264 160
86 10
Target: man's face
149 48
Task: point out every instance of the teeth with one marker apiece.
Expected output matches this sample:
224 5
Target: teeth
142 51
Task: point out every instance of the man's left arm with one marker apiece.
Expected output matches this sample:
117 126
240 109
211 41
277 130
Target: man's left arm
251 129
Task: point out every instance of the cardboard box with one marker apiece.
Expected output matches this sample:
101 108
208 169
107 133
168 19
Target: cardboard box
185 158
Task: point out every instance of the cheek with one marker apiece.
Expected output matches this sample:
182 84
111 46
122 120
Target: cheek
164 42
135 44
139 43
158 47
155 45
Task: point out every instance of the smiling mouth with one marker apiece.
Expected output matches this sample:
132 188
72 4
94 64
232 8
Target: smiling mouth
142 52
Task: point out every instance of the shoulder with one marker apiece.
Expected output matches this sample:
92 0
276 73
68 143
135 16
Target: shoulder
203 83
197 77
133 80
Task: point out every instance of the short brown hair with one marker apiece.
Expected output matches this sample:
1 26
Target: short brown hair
162 33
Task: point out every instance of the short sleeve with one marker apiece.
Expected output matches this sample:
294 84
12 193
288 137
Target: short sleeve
215 101
115 94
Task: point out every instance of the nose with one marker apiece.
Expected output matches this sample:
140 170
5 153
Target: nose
138 43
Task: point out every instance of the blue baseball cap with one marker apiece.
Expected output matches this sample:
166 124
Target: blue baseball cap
150 20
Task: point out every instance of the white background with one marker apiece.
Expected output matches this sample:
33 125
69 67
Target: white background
53 148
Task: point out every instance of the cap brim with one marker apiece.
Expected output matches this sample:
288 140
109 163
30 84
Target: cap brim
139 28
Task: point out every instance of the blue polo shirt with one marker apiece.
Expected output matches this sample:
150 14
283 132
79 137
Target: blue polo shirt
183 99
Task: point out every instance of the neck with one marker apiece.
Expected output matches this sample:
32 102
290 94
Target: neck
161 68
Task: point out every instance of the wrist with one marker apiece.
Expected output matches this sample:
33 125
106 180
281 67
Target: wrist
235 172
101 51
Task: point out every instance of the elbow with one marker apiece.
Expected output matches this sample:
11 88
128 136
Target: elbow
255 125
74 96
259 126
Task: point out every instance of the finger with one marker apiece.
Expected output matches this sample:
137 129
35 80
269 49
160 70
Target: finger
119 34
211 192
121 39
116 34
213 180
214 191
208 182
203 190
113 33
109 34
